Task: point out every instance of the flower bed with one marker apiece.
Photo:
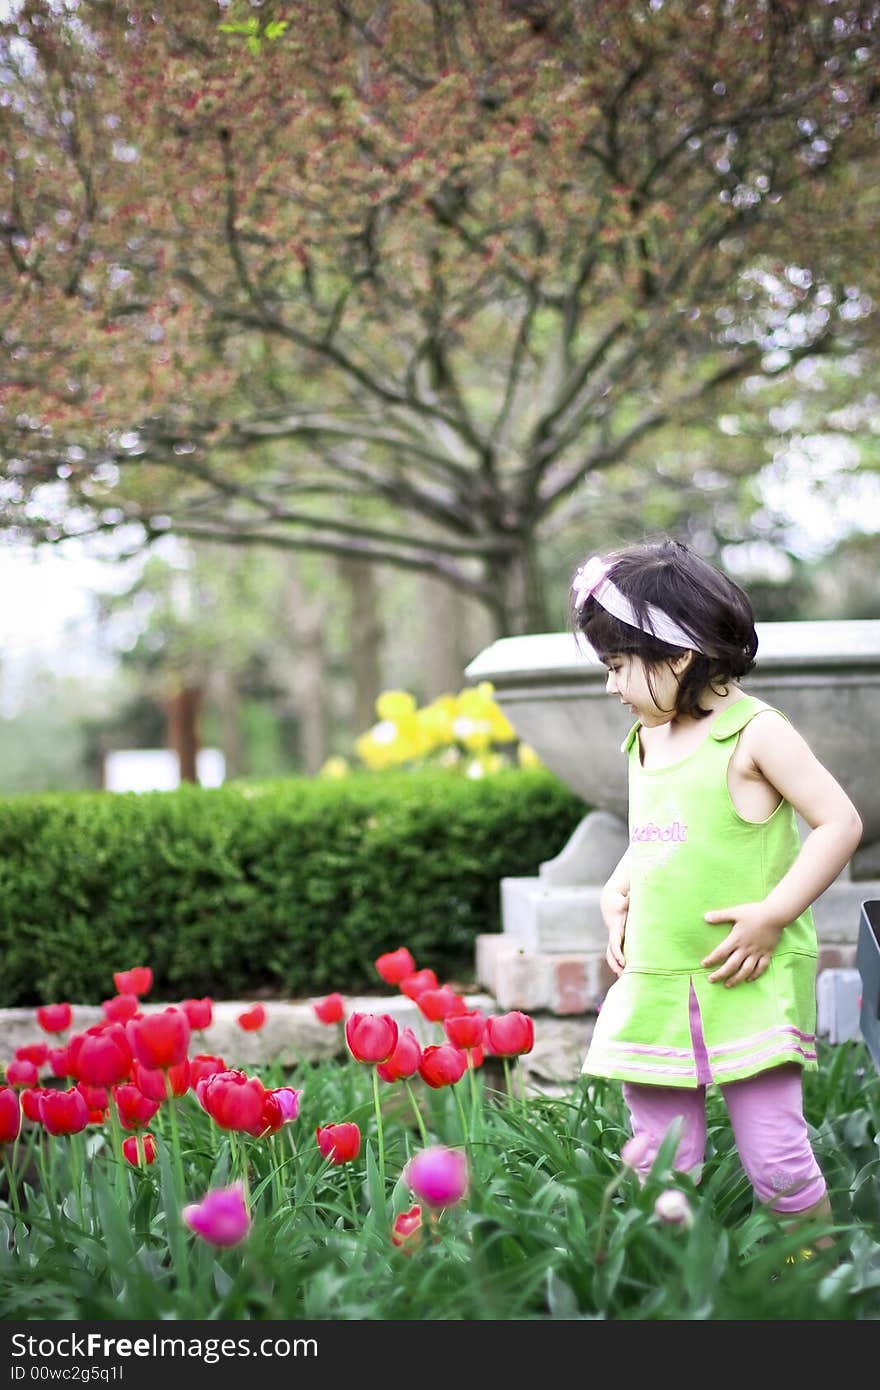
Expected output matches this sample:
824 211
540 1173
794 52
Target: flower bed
147 1180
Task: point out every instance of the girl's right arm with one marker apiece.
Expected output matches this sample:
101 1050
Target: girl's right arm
614 906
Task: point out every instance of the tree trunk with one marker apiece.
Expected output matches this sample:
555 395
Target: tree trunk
305 668
521 607
366 638
444 638
182 713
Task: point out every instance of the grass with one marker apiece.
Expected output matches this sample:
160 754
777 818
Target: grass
553 1226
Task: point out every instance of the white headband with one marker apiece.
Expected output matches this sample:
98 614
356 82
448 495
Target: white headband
591 581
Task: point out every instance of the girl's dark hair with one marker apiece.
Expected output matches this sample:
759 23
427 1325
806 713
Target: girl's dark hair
702 600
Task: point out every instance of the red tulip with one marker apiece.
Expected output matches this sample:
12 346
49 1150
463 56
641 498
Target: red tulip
21 1073
442 1065
121 1007
280 1107
339 1143
30 1102
233 1100
138 980
54 1018
404 1060
204 1065
437 1004
151 1080
331 1009
412 985
95 1097
10 1114
64 1112
252 1018
38 1053
140 1156
101 1055
135 1110
465 1030
59 1061
394 966
160 1040
200 1012
371 1037
407 1228
509 1035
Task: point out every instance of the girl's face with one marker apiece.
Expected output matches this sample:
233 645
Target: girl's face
652 704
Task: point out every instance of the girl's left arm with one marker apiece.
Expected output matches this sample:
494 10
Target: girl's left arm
784 759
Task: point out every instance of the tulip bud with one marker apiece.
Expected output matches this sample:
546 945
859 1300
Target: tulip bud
673 1208
221 1218
439 1176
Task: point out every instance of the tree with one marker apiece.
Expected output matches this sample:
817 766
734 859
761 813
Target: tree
393 281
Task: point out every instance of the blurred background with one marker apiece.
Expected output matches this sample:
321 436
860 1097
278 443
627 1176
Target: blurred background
321 372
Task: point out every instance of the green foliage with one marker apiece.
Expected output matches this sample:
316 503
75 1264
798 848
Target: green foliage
552 1227
291 886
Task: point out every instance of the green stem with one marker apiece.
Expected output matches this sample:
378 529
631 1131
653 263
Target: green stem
116 1135
473 1079
354 1211
507 1080
418 1114
11 1178
464 1126
380 1136
175 1139
604 1209
77 1142
276 1174
174 1218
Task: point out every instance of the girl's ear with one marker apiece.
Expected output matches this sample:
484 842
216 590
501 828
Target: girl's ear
679 664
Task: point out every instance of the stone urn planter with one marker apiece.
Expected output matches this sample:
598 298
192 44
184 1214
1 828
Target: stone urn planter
550 954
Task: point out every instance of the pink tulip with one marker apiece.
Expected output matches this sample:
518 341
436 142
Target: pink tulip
222 1217
288 1103
371 1037
439 1176
511 1034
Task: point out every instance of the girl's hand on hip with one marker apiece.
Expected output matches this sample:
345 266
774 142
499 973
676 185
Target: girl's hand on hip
746 950
615 907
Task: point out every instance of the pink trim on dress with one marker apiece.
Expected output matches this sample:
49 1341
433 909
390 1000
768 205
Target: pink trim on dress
647 1050
760 1037
755 1057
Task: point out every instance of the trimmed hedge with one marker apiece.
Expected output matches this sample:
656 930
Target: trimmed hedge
289 888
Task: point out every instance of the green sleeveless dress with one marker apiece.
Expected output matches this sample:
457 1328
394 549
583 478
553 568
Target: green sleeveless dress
691 852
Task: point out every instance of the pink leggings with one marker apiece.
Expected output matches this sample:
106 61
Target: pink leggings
766 1115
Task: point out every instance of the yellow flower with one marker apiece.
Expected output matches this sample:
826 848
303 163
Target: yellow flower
395 704
334 767
526 756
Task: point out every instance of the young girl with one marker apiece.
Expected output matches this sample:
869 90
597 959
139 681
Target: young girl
710 929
